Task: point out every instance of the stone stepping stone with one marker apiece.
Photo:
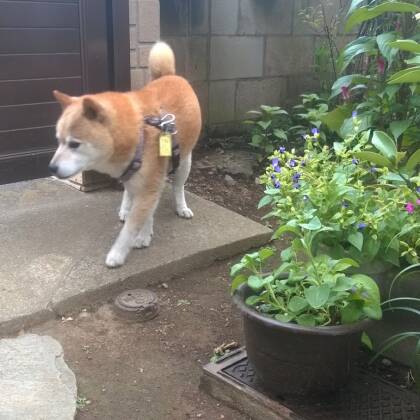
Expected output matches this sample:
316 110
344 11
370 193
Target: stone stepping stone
35 381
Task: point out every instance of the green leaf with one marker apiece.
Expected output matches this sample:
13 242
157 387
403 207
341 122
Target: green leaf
414 60
285 229
352 312
297 304
347 81
385 145
361 45
344 264
287 254
366 341
236 268
264 124
265 253
356 239
373 157
266 200
314 224
406 45
255 282
280 134
398 127
354 5
284 317
384 44
369 285
343 284
334 119
366 13
237 281
317 296
306 320
413 161
410 75
253 300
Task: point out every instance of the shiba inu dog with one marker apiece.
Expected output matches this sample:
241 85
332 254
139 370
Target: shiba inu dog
108 132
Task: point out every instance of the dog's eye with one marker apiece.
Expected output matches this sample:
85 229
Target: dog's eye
73 144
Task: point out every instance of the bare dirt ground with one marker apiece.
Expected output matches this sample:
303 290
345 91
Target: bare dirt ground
151 370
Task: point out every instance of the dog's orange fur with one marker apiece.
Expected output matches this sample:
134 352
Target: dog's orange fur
112 122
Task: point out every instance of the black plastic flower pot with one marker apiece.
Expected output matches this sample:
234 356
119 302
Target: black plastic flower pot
294 360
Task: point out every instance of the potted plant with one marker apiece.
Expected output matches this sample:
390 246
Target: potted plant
303 317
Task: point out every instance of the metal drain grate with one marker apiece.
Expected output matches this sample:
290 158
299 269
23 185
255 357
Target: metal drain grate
367 397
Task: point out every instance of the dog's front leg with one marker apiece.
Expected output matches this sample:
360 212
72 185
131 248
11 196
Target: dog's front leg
125 205
142 208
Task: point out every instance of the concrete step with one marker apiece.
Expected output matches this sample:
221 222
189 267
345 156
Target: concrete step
54 240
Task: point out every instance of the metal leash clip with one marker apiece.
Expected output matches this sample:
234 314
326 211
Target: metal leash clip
167 124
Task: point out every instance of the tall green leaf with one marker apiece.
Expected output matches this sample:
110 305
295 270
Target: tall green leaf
385 145
410 75
345 81
398 127
384 44
354 5
367 13
406 45
413 161
356 239
361 45
373 157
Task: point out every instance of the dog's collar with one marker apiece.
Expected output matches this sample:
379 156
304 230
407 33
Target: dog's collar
165 123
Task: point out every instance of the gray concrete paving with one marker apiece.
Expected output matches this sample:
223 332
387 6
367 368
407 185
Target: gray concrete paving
35 381
54 240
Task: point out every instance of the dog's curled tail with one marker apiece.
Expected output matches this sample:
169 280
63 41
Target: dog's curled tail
161 60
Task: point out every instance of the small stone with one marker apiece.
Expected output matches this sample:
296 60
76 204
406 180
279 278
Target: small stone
164 285
257 181
229 181
387 362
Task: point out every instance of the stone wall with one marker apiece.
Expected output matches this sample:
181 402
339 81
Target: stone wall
238 54
144 31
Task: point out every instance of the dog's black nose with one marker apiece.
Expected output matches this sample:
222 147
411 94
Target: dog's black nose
53 168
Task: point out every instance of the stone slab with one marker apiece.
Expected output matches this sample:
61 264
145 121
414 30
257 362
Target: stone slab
224 17
35 381
55 239
222 101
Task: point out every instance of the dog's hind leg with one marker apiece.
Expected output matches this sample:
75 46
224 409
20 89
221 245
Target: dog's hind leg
126 204
181 176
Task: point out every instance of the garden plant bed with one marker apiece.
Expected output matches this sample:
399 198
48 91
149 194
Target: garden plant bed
367 396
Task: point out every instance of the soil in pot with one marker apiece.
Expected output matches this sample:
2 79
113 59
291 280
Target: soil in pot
291 359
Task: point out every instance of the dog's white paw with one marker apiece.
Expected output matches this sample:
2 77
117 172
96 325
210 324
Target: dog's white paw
123 214
115 259
185 212
143 240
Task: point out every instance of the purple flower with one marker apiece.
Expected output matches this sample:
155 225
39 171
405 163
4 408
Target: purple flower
296 176
418 190
296 185
277 184
353 289
380 61
355 161
277 169
275 162
418 201
282 149
273 176
292 163
354 114
361 226
345 93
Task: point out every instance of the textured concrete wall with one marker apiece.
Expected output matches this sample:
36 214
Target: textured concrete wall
238 54
144 31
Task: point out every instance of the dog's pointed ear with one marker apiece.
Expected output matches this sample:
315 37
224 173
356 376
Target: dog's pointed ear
93 110
63 99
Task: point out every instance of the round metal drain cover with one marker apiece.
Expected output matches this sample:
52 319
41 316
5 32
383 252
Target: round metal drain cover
137 304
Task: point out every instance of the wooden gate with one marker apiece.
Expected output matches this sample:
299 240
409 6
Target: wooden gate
75 46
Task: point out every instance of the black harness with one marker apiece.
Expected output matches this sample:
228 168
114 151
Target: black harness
166 124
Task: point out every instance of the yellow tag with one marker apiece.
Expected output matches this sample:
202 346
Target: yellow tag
165 145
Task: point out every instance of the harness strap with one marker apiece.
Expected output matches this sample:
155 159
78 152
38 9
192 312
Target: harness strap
165 123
